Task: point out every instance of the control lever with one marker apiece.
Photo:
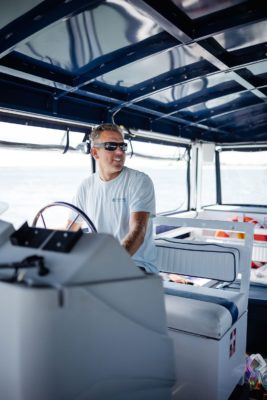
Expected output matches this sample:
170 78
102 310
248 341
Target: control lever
33 261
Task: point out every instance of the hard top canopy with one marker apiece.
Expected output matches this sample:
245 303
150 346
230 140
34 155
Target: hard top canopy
195 69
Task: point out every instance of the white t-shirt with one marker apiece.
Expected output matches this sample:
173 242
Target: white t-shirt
109 205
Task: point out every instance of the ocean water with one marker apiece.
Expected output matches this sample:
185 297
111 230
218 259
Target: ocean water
27 189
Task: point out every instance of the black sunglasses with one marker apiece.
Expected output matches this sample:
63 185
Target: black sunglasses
111 146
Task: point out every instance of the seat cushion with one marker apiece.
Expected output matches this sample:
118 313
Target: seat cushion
199 259
198 316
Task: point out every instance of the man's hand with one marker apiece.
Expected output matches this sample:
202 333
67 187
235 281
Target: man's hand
137 230
72 226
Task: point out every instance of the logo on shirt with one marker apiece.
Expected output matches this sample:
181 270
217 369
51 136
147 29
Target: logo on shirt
119 199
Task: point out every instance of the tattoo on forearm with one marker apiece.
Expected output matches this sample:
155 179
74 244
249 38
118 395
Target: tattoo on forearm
136 236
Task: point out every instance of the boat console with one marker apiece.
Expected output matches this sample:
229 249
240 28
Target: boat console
79 320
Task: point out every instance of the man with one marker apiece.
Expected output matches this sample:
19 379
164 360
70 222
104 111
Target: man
119 200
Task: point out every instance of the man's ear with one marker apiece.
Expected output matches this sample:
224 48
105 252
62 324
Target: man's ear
94 153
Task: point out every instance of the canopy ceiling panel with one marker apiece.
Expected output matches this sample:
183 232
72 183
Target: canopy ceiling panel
195 69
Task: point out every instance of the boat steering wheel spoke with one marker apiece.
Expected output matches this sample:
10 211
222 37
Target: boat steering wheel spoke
79 214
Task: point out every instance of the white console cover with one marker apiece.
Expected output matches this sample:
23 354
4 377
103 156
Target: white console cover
93 328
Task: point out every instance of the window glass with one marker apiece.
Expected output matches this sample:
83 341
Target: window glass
32 136
73 42
148 67
244 177
32 177
167 167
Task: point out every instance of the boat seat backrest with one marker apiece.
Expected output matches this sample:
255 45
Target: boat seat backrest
199 258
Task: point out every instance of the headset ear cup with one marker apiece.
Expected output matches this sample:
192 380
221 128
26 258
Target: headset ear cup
87 147
86 142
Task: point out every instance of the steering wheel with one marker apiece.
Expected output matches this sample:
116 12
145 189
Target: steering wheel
80 214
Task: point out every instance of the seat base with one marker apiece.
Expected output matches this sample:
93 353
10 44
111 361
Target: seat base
207 368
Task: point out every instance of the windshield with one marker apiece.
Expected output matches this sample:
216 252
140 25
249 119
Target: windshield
32 177
244 177
35 170
167 167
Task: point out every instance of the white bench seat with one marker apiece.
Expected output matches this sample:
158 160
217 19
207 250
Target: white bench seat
198 316
207 325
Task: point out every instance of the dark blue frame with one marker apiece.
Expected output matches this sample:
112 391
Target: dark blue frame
32 85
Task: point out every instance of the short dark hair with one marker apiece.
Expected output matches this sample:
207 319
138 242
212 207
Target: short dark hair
96 132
